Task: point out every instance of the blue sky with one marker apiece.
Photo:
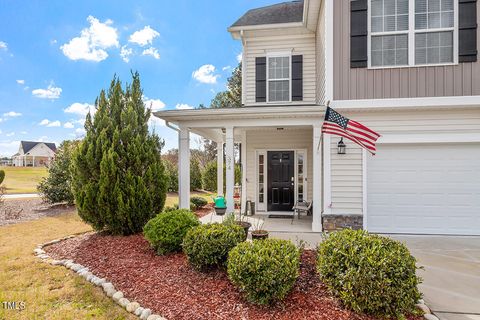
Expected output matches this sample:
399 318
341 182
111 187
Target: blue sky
56 56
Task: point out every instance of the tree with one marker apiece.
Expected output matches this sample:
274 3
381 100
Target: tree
195 175
231 98
57 186
119 181
171 170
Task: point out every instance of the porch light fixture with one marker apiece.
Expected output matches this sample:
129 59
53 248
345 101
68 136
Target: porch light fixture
341 147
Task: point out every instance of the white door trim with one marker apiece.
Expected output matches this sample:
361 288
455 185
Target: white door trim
265 174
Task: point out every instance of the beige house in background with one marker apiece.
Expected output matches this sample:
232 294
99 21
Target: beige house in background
34 154
408 71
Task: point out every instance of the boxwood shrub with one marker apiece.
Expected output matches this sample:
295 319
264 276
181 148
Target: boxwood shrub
265 270
208 245
369 273
198 202
166 231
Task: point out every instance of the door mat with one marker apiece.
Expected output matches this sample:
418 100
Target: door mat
280 216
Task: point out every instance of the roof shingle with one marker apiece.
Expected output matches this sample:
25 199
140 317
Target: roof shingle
278 13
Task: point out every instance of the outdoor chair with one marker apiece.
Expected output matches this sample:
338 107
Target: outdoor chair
302 207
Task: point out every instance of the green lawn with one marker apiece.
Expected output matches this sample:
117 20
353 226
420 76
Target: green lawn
23 179
172 197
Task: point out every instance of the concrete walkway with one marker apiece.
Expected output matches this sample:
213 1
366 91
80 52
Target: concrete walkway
451 279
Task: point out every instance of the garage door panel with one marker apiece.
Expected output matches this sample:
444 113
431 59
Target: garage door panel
431 189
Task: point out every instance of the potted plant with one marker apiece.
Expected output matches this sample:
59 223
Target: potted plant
258 233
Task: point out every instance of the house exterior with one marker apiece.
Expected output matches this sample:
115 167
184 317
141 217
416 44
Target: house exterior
34 154
407 69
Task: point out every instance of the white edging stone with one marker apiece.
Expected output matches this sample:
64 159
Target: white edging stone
132 307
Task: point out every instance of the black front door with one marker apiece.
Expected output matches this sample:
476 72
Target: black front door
280 180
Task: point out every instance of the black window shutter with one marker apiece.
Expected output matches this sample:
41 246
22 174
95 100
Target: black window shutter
260 79
297 78
358 34
467 30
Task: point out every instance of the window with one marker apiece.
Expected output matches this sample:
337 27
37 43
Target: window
278 76
261 179
300 176
415 32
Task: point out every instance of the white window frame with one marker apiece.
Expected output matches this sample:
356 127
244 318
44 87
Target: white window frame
283 54
411 37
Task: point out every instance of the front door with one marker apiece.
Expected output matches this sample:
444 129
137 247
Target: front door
281 180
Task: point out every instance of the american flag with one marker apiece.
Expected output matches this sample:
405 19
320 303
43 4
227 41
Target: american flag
337 124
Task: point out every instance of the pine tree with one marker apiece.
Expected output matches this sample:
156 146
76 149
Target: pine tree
119 181
195 175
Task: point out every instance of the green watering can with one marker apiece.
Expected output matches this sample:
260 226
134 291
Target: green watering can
219 202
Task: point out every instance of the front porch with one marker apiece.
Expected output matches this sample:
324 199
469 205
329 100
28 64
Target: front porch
281 158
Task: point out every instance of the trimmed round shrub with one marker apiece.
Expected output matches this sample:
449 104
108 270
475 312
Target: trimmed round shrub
208 244
369 273
198 202
265 270
166 231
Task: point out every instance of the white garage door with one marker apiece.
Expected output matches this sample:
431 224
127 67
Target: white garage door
424 189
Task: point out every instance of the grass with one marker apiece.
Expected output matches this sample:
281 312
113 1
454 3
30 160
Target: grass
23 179
172 197
49 292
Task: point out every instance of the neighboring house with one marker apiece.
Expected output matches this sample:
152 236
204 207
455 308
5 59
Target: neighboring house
406 69
34 154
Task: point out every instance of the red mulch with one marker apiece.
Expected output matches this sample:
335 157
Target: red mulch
204 211
171 288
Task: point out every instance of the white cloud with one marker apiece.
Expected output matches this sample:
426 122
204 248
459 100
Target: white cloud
144 36
81 109
42 139
125 53
23 132
155 104
93 41
3 45
54 124
239 57
48 123
11 134
205 74
50 93
68 125
183 106
154 122
12 114
80 132
21 81
8 148
151 52
226 68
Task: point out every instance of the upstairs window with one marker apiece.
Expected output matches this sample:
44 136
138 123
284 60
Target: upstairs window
409 33
278 78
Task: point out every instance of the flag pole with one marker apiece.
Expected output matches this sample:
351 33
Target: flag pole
321 135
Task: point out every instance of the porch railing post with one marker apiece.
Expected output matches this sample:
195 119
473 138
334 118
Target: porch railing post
230 169
184 168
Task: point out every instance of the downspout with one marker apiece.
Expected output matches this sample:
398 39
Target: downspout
168 124
244 43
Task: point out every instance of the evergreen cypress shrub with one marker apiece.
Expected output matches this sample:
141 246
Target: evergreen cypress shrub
371 274
171 172
119 181
208 244
195 175
57 186
2 176
265 270
166 231
210 176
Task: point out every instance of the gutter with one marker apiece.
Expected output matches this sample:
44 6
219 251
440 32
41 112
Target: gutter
168 124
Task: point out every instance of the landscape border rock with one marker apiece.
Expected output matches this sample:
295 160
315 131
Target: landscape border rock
108 288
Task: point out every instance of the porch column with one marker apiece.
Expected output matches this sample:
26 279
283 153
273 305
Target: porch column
327 175
33 161
317 180
220 168
230 169
244 171
184 168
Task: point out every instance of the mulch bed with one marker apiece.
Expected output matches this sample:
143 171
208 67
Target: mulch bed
170 287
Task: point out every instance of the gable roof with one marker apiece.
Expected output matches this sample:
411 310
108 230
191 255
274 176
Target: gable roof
278 13
29 145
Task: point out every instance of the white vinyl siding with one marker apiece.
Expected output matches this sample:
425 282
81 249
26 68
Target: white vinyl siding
272 139
320 56
303 44
346 172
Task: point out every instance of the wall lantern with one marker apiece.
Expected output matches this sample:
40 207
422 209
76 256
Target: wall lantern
341 147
